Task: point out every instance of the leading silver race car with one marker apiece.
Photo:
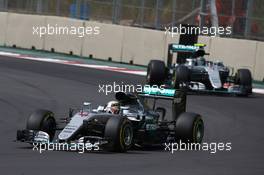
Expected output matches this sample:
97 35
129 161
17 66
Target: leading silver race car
121 124
198 74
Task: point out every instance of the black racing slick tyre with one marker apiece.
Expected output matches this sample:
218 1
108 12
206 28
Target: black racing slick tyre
182 75
42 120
156 72
244 79
119 133
189 128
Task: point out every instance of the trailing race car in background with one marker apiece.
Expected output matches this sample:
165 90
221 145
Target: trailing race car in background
198 74
134 124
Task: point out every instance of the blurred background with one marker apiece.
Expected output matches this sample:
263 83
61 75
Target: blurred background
246 17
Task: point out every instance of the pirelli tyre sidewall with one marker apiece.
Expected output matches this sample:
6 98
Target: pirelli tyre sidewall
119 133
42 120
156 72
189 128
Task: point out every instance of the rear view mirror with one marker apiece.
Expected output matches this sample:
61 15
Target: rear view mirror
71 111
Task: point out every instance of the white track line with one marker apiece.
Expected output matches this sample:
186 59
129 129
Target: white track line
75 63
258 91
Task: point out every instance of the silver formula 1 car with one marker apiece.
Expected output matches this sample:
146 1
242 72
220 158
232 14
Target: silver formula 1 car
129 122
198 74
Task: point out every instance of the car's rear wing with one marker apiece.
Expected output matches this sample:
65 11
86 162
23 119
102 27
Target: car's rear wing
184 48
186 51
177 96
159 93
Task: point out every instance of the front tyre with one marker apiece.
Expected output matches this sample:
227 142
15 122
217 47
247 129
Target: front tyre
243 78
119 133
189 128
42 120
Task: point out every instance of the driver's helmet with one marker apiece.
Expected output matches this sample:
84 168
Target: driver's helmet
201 61
112 107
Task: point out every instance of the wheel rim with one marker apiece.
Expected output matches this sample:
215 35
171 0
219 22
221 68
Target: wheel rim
199 131
148 77
128 135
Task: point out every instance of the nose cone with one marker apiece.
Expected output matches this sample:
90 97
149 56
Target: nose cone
72 128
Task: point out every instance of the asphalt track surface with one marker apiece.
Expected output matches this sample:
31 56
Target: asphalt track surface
27 85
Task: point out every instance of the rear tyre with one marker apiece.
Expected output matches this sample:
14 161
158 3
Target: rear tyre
42 120
119 133
182 76
244 79
156 72
189 128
